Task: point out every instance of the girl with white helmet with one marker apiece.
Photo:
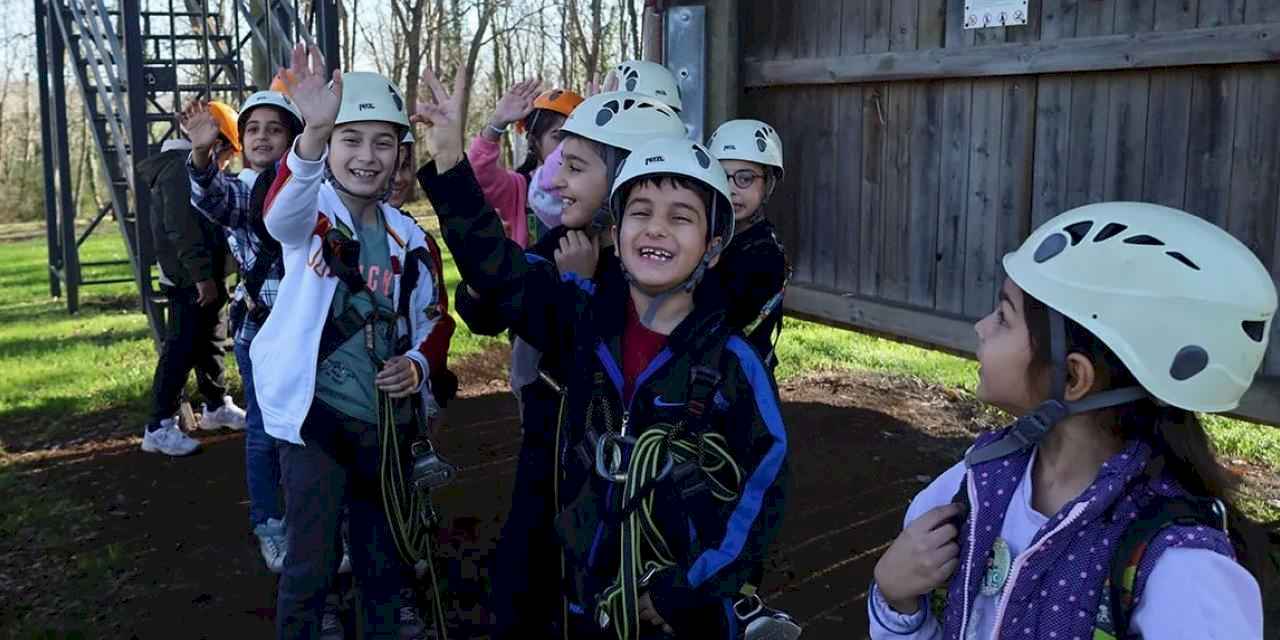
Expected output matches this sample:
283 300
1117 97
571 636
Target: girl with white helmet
1101 512
335 375
267 124
626 382
753 270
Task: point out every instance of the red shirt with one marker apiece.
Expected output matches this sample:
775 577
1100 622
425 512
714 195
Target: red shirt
639 347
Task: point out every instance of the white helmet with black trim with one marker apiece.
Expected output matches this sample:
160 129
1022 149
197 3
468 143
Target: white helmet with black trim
271 99
1181 302
749 141
623 119
650 79
370 97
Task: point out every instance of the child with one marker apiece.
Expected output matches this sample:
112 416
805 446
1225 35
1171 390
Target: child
626 382
753 270
354 336
636 76
191 254
595 148
538 117
1118 321
268 123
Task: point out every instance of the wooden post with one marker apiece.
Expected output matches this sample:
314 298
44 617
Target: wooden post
723 55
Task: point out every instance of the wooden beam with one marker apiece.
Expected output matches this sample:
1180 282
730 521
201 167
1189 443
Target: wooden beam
947 332
902 323
1213 46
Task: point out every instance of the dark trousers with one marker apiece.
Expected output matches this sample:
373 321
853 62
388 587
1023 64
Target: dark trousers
337 466
195 338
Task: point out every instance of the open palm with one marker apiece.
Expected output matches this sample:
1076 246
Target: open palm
307 81
199 124
518 101
441 113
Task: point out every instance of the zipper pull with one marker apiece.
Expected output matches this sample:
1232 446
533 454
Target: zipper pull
626 421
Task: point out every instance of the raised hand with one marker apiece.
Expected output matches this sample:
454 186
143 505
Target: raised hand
308 82
516 104
441 113
201 129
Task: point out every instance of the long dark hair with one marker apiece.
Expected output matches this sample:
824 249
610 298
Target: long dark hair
536 125
1175 435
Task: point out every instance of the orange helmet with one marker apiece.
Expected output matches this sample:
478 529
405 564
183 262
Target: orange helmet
560 101
226 118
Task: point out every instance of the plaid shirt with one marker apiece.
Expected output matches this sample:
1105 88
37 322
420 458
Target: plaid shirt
224 199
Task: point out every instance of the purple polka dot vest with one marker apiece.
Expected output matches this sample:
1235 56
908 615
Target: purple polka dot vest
1056 585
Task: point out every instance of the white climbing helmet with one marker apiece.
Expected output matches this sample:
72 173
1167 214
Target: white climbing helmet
749 141
650 79
624 120
1185 306
270 99
682 158
369 96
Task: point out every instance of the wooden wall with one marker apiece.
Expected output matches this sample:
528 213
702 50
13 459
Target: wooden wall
919 153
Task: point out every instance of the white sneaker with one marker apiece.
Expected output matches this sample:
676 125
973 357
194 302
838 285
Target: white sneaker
272 543
169 440
228 415
411 625
331 624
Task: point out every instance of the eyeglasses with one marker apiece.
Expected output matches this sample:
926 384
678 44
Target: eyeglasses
745 178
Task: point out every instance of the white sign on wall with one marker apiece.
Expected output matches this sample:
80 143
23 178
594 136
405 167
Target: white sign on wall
994 13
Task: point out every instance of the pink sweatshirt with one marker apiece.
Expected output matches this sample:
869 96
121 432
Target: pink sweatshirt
504 189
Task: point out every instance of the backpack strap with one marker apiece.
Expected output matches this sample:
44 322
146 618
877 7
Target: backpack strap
1115 612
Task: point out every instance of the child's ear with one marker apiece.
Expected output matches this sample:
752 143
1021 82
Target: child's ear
1081 376
715 244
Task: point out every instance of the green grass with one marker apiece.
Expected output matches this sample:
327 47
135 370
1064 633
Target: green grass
59 365
101 359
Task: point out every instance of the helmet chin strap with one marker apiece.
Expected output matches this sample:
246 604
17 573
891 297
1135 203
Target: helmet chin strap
1030 429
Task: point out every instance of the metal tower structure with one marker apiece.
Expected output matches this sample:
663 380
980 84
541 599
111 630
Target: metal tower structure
135 63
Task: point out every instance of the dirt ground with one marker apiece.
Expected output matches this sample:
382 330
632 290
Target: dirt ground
173 535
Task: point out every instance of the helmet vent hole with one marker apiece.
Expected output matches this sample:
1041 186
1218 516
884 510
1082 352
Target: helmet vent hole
1051 247
1144 240
1254 329
1183 259
1078 231
1109 231
1190 361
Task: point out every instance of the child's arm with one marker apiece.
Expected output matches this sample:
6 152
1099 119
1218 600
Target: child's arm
693 597
495 267
293 200
219 197
1198 593
885 621
482 317
504 189
290 210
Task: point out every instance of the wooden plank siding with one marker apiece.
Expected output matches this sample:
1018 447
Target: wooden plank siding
919 152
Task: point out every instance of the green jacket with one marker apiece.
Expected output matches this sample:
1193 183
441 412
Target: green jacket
189 248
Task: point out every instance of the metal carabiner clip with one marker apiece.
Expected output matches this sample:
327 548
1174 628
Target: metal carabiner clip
610 457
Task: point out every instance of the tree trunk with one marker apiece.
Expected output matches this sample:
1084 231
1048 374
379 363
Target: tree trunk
486 8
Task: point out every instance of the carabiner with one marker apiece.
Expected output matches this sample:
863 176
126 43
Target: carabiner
611 445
